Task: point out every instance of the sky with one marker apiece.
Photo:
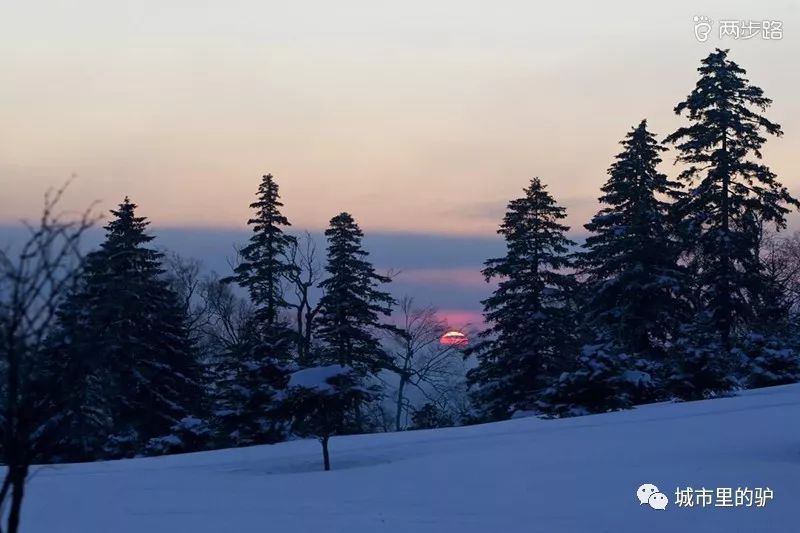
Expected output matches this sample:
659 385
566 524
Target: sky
420 118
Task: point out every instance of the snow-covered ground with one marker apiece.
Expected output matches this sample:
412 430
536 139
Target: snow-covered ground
525 475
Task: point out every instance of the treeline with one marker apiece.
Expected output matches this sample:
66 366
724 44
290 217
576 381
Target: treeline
142 354
148 358
681 291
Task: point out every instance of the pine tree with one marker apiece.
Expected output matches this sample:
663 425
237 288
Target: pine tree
633 283
253 371
264 266
80 381
731 193
350 313
530 315
125 340
351 308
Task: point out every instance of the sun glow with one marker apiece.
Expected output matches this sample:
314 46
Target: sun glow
454 338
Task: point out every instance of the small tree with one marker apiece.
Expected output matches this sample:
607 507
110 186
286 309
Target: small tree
34 282
318 401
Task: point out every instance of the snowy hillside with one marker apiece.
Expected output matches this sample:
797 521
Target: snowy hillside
525 475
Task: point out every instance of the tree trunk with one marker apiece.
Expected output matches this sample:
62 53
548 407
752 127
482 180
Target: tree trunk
326 458
4 493
18 492
727 312
398 414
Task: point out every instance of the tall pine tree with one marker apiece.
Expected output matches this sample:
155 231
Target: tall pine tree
635 288
531 320
353 303
730 192
264 267
127 356
352 307
251 372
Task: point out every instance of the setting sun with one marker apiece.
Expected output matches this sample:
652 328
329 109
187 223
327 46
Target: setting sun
454 338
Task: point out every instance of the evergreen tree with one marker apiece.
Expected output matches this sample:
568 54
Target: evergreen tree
319 400
531 319
351 308
603 378
633 282
125 343
264 267
254 370
731 192
701 365
349 314
80 381
248 387
771 347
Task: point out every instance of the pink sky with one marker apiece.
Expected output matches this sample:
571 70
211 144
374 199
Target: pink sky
414 116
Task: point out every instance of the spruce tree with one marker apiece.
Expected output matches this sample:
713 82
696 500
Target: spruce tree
254 370
353 303
635 288
531 319
264 265
350 314
731 193
125 331
81 384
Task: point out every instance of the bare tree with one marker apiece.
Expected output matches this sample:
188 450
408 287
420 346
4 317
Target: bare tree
780 257
420 360
184 276
227 315
34 280
302 281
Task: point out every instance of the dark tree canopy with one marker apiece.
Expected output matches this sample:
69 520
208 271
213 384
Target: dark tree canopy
731 193
123 339
530 316
264 264
633 283
353 304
